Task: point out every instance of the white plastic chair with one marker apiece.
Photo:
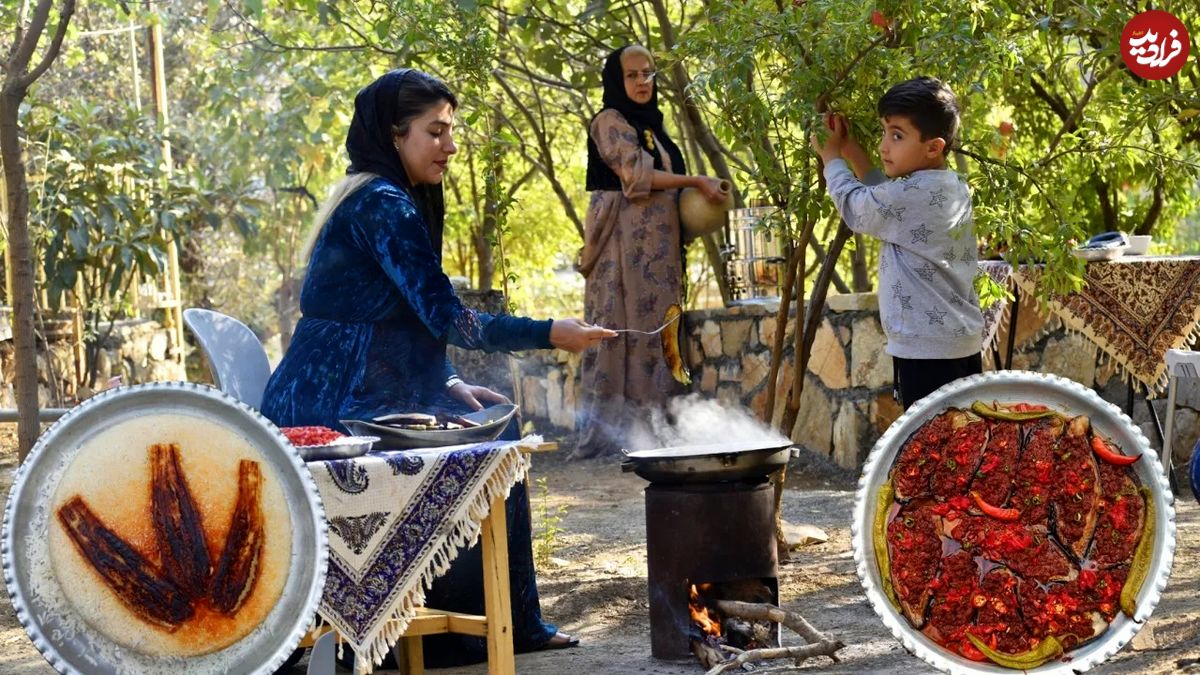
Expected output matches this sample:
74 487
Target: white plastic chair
1180 363
236 358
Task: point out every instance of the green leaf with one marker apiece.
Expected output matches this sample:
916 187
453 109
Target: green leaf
383 30
79 239
594 10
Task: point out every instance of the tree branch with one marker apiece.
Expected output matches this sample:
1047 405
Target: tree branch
536 77
680 83
51 53
516 185
546 165
1051 100
1156 205
23 50
280 47
1106 206
1072 122
302 191
1014 167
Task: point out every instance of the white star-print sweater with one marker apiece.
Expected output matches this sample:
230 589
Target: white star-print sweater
927 260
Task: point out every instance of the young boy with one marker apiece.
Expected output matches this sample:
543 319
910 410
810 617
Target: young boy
922 217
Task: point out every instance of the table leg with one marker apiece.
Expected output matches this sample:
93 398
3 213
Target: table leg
410 655
1168 464
497 602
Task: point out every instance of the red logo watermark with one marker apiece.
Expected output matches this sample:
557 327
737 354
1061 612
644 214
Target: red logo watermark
1155 44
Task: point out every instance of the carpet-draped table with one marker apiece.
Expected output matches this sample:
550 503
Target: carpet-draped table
396 521
1133 308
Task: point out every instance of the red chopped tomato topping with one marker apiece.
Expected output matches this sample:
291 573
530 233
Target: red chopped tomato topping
311 435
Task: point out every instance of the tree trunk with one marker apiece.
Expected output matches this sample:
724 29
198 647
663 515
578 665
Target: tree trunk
814 311
493 175
20 258
858 261
703 136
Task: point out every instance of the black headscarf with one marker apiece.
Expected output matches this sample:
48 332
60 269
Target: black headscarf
371 146
642 116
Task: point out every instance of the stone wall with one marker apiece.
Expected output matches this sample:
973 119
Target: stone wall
137 350
847 401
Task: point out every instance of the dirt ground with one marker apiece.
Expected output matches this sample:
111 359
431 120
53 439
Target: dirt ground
596 589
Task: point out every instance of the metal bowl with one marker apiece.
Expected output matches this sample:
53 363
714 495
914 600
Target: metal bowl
345 447
70 644
492 422
1098 253
1069 398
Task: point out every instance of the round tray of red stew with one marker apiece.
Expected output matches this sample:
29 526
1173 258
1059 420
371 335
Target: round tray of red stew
1013 521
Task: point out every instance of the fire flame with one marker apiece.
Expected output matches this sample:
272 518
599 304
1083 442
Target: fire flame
707 619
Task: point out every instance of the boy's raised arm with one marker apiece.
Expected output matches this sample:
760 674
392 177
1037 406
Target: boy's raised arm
856 200
876 209
854 155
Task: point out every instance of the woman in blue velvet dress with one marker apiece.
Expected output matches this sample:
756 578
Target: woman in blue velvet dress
378 312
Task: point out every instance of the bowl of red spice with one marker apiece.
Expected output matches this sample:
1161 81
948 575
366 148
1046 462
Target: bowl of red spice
318 443
1013 521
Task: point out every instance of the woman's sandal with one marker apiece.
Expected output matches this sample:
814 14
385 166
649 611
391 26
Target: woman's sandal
560 640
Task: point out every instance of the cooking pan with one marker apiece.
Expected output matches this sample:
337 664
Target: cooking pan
709 463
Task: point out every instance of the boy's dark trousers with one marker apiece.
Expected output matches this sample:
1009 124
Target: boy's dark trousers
917 378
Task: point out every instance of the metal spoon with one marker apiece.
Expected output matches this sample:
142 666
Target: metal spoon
656 331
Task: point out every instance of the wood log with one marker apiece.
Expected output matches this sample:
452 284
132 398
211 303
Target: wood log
765 612
709 656
818 643
797 654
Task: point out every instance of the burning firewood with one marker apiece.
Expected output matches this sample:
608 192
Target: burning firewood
713 655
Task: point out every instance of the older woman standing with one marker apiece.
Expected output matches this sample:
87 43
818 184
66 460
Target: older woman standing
632 257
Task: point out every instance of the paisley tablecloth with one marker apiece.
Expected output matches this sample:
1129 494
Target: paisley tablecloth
1134 309
396 521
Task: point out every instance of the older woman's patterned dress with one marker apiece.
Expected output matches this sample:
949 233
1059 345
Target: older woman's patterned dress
633 264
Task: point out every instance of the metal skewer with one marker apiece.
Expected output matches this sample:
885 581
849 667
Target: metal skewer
656 331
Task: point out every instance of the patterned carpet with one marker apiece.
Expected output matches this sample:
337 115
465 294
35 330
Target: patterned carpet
1133 308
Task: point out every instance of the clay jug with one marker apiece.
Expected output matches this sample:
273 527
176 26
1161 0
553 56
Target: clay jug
698 216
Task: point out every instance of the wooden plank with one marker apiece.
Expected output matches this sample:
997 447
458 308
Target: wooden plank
497 602
467 624
548 446
428 624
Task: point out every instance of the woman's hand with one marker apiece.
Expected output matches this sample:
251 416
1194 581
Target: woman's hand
475 396
711 189
576 335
